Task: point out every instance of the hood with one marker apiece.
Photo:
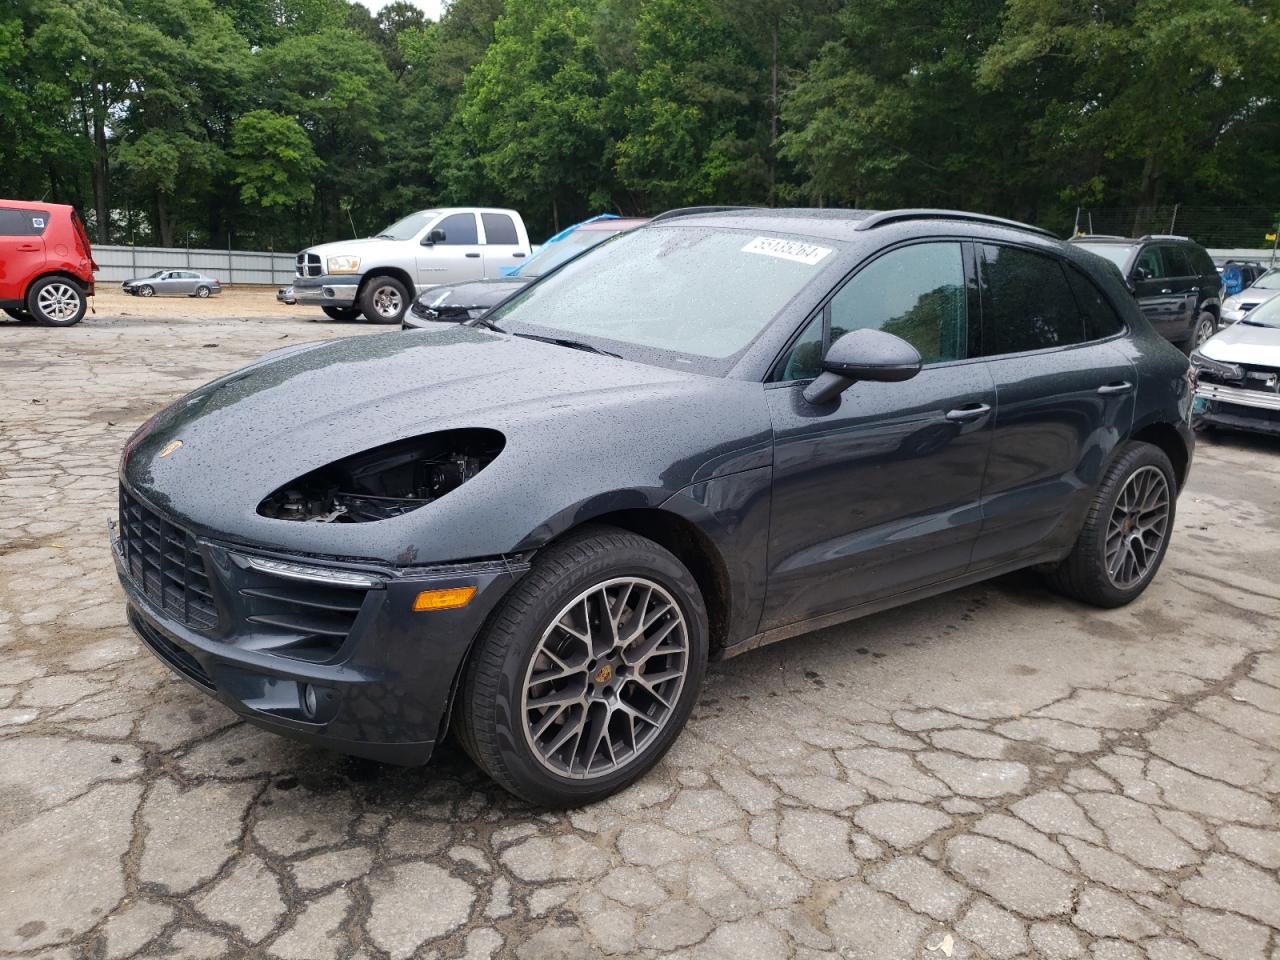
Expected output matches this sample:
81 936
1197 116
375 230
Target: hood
576 426
1253 295
474 294
1244 343
364 247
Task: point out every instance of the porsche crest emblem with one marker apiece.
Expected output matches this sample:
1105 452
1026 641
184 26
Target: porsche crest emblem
169 448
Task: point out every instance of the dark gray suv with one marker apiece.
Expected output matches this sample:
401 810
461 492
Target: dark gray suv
1174 279
715 431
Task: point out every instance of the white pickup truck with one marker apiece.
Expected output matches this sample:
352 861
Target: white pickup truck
381 276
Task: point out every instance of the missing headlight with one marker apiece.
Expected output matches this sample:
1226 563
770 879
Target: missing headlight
387 481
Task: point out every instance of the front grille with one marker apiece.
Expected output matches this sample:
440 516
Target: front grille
305 621
170 653
164 562
308 265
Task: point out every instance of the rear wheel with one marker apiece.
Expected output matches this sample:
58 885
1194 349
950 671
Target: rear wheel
202 292
1126 532
1206 327
56 302
587 672
342 314
384 300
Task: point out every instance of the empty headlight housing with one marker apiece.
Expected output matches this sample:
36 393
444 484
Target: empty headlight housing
387 481
1216 369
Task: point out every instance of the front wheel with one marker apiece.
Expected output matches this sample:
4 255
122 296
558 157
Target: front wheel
588 670
146 290
57 302
384 300
341 314
1126 532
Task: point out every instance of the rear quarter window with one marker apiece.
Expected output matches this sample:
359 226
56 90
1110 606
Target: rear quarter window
1100 318
1027 303
499 228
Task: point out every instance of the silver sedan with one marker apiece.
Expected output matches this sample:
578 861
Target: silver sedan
173 283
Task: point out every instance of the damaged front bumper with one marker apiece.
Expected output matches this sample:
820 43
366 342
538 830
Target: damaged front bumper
331 653
1253 404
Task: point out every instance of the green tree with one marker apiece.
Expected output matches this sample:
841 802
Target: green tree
273 160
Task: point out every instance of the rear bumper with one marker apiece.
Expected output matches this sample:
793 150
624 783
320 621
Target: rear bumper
383 691
326 291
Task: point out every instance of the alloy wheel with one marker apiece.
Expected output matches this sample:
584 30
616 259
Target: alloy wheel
387 302
1204 330
59 302
146 290
1138 526
605 677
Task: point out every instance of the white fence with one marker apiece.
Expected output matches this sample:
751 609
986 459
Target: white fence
229 266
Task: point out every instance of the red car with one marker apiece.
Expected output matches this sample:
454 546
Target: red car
46 265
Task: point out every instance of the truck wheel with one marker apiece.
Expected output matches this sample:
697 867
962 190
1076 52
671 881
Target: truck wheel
56 302
384 300
341 314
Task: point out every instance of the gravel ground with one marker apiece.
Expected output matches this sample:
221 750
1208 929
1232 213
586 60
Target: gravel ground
994 773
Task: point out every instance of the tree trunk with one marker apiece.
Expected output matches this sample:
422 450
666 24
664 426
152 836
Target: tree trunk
773 117
1150 194
99 171
163 223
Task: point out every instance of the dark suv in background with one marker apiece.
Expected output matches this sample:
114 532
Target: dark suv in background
1174 279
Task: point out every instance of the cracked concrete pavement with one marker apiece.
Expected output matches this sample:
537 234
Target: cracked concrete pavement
993 773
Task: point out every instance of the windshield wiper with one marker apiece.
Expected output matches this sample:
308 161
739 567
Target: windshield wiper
566 342
485 322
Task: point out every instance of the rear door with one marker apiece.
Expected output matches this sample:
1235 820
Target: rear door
22 254
1183 283
456 258
880 495
502 246
1163 308
1064 394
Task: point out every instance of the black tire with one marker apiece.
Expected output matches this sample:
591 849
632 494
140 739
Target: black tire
57 302
202 292
146 290
487 714
383 300
342 314
1206 326
1083 574
20 315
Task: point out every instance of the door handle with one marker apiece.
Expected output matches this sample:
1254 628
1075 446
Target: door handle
1195 289
517 254
473 255
968 413
1114 389
1166 290
28 247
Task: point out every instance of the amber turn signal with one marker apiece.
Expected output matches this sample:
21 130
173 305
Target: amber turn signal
450 598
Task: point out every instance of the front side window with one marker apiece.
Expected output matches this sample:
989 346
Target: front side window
459 228
689 297
499 228
1026 302
916 293
1150 265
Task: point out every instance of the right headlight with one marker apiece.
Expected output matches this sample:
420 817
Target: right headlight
1216 368
346 264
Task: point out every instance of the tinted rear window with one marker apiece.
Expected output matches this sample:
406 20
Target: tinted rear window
22 223
1026 302
1100 319
499 228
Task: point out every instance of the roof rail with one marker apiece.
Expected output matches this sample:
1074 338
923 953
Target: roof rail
1101 236
898 216
692 211
1163 236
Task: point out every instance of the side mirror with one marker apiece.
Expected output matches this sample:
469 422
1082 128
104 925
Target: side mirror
863 355
435 236
1141 273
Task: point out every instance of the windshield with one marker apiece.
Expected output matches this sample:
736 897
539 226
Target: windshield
689 297
1264 315
410 226
554 254
1117 253
152 276
1268 281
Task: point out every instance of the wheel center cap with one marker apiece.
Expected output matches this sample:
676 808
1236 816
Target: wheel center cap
604 674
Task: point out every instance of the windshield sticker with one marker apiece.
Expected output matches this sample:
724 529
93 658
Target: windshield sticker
787 250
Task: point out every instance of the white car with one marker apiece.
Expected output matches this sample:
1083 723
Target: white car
1238 373
381 276
1236 306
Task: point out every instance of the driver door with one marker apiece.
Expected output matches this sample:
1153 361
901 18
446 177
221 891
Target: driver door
455 259
881 494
